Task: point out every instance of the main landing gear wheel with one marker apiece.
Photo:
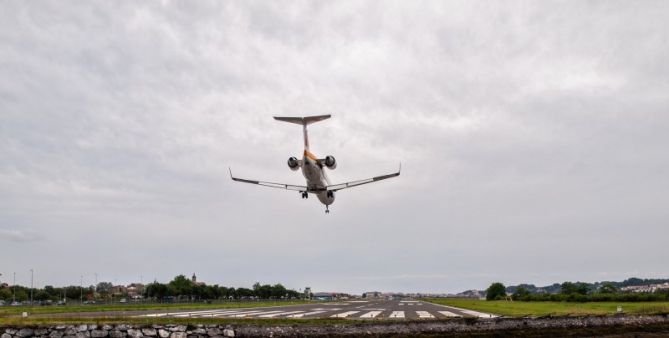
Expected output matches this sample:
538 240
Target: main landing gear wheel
305 194
330 194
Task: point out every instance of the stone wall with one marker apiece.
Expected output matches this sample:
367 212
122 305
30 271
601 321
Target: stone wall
531 327
117 331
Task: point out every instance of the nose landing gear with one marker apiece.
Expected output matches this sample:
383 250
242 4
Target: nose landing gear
327 211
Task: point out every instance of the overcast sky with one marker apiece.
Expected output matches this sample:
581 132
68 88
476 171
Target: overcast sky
532 135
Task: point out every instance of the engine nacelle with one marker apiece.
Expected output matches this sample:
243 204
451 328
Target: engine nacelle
330 162
293 163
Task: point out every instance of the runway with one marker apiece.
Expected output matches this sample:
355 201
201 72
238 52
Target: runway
358 309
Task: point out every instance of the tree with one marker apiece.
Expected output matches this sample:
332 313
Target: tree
569 288
495 291
608 288
521 293
157 290
181 286
104 288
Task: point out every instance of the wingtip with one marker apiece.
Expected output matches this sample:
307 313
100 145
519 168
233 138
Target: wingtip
230 170
400 169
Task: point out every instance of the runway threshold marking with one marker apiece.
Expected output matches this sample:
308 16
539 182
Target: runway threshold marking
449 314
397 314
282 313
424 314
371 314
248 313
301 315
477 314
344 314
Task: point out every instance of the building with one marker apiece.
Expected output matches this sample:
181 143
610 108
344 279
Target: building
135 290
195 282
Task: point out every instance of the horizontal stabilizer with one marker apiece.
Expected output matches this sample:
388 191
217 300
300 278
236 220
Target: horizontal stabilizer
302 120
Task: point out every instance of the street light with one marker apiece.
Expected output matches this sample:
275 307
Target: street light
31 286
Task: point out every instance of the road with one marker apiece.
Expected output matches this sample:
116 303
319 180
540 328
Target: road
355 309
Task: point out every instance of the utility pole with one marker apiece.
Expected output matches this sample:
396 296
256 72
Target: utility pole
31 287
81 287
14 287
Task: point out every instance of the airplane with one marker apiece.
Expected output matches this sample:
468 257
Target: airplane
313 167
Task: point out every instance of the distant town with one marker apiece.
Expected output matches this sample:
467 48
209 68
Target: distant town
183 289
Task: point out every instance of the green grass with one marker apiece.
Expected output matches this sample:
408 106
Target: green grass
537 309
7 311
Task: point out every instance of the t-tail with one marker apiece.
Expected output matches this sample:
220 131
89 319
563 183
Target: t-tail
304 121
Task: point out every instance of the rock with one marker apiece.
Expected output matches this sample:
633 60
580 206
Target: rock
163 333
214 332
107 327
10 331
70 331
135 333
84 334
117 334
25 333
149 332
99 333
200 331
56 334
178 328
123 327
6 335
229 332
82 328
178 335
41 332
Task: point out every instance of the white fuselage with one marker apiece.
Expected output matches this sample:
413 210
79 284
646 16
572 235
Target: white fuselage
316 178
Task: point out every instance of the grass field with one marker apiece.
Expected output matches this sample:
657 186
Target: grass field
536 309
8 311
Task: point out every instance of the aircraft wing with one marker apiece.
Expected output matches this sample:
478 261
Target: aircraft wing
270 184
340 186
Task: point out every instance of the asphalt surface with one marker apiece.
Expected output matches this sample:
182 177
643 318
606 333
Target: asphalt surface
356 309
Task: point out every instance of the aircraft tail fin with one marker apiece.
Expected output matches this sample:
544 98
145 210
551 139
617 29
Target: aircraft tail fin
304 121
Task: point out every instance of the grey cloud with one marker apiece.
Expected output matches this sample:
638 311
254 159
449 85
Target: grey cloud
18 235
529 132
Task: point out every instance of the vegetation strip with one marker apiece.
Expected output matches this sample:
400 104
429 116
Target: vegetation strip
18 310
538 309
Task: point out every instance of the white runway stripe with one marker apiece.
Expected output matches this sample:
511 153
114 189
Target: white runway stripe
371 314
246 313
449 314
397 314
424 314
478 314
282 313
300 315
344 314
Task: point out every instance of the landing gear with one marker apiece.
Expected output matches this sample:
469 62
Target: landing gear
305 195
330 194
327 211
